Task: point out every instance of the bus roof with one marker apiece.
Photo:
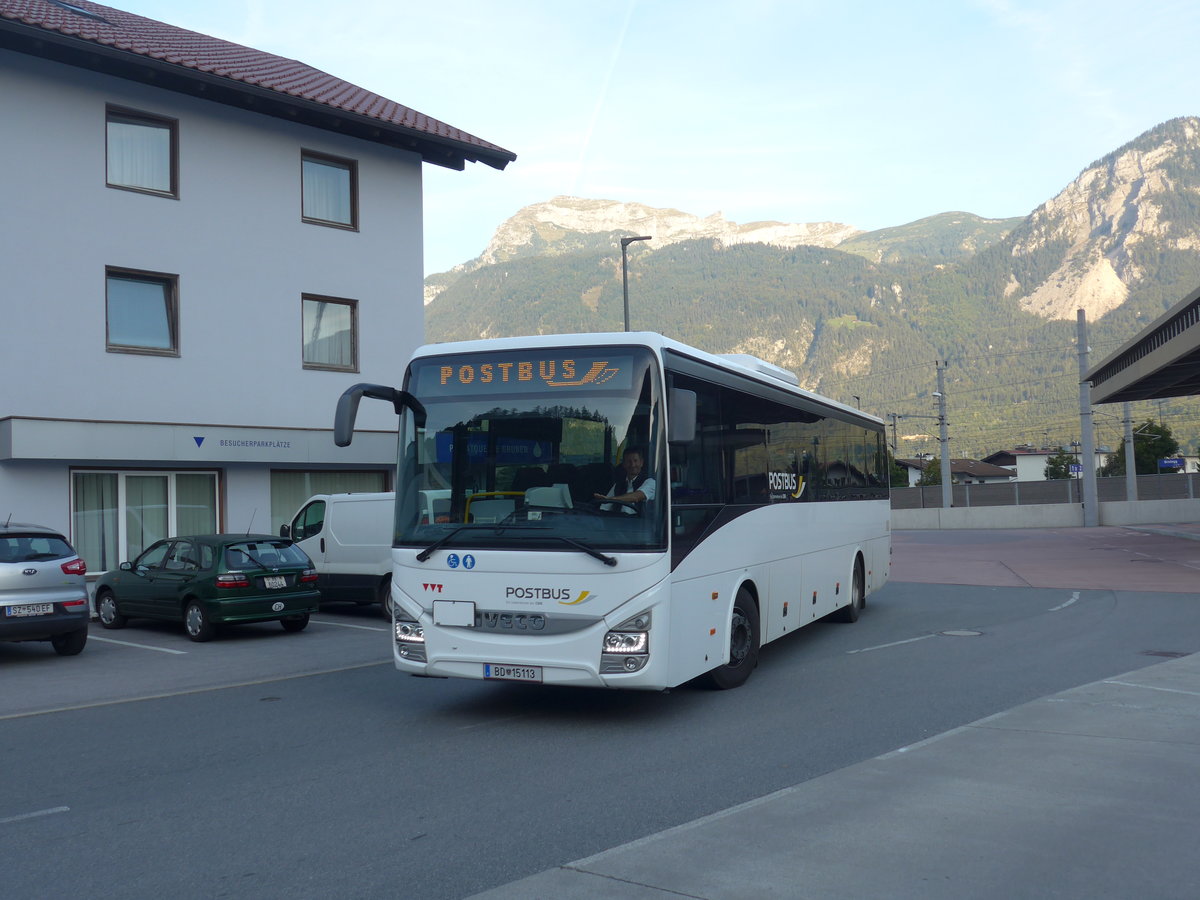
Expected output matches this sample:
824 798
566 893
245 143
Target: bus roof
743 363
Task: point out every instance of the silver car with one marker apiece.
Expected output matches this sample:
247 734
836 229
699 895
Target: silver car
43 594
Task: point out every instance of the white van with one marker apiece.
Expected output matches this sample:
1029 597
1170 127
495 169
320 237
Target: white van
349 537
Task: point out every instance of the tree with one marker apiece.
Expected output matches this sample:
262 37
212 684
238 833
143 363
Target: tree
931 474
1151 442
1058 466
898 475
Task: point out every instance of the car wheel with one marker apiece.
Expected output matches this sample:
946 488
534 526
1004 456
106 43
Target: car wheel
743 645
108 611
849 612
197 623
295 623
384 592
71 643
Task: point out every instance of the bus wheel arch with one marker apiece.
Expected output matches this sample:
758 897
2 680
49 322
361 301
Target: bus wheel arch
745 640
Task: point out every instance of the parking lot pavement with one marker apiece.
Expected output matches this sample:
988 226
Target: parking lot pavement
154 659
1087 793
1150 558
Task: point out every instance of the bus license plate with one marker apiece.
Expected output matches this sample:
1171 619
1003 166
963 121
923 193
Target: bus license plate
274 581
32 609
513 673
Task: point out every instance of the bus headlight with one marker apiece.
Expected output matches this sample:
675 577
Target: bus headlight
410 639
626 642
627 647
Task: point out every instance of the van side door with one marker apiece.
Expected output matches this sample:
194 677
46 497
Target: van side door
308 530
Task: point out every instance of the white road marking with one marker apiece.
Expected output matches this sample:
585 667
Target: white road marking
196 690
1074 597
1150 687
348 625
92 637
892 644
34 815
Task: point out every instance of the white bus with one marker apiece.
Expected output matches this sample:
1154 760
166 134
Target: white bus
760 508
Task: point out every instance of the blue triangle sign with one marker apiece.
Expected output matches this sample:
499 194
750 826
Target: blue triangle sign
198 440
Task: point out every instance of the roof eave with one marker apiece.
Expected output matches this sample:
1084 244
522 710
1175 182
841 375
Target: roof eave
434 149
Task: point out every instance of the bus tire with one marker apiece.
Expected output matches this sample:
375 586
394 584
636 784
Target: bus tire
384 594
858 596
743 645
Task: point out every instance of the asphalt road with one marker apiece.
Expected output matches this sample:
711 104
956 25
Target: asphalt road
269 764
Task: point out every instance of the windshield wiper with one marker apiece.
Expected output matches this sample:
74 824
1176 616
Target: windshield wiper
578 545
590 551
442 541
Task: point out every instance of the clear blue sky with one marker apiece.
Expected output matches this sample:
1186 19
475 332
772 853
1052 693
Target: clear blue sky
873 114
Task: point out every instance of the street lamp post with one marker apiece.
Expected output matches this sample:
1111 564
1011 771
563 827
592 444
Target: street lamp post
625 242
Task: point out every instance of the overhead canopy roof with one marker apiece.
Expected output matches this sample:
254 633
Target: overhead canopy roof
1162 361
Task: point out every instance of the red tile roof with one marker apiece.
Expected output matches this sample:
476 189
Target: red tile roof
193 53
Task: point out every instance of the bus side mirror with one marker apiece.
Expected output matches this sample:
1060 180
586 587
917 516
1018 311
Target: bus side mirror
681 416
347 408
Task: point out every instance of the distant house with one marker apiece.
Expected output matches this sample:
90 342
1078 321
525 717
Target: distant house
204 246
962 471
1029 463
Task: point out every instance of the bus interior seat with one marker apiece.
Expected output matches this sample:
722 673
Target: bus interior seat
593 478
529 476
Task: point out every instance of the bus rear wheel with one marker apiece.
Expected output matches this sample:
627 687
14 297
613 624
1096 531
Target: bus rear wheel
743 645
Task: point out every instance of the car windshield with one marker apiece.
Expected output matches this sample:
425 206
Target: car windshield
264 555
33 547
517 446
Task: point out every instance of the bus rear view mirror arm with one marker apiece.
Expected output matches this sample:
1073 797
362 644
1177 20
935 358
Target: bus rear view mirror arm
347 408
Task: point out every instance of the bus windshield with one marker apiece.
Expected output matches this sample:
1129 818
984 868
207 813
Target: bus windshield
522 450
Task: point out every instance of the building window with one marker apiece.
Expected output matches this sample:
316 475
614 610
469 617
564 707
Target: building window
117 515
142 152
142 312
330 334
290 489
329 190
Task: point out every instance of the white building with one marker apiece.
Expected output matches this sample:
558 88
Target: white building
1029 463
203 245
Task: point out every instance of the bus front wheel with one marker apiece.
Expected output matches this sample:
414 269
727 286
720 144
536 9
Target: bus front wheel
743 645
858 596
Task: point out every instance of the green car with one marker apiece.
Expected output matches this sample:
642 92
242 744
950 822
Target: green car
212 579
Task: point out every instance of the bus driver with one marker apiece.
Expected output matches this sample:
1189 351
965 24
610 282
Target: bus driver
635 487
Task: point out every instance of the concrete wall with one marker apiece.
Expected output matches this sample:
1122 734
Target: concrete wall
1056 515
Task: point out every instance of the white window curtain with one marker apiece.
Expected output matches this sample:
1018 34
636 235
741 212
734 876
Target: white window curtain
328 334
326 191
195 503
146 512
139 154
139 313
94 521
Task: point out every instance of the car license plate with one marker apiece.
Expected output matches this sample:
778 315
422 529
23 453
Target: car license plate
274 581
31 609
512 673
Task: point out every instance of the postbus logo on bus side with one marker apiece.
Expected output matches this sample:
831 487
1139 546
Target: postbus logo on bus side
786 481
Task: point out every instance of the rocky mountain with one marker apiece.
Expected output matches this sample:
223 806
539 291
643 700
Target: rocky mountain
865 315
